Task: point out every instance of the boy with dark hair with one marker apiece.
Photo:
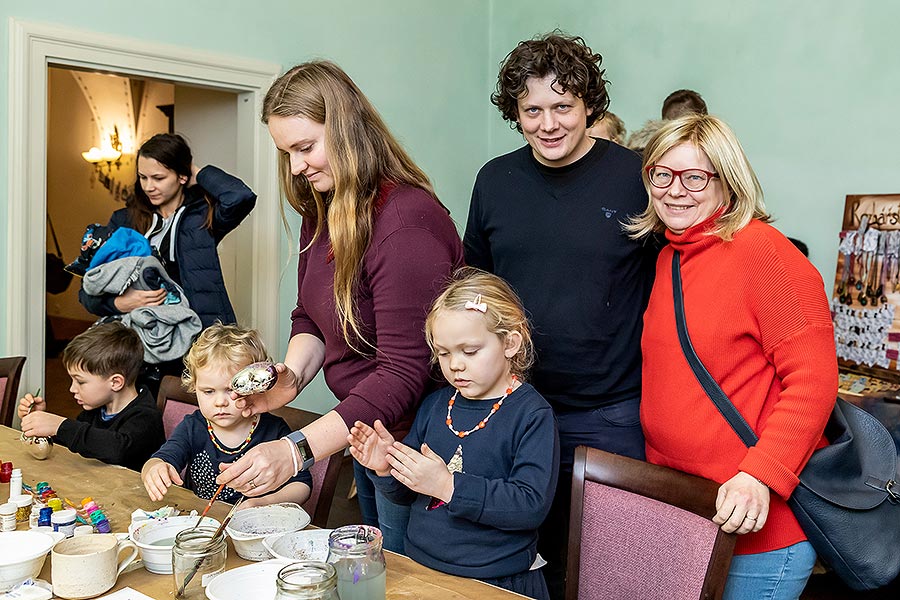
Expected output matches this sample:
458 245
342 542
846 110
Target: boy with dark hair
118 425
548 219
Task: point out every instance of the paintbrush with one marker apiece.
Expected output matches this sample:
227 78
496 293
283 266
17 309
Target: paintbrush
212 541
209 506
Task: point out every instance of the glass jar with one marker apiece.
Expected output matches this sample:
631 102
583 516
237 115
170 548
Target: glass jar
307 580
355 551
198 556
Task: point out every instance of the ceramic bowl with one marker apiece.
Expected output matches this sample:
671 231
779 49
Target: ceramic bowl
309 544
22 555
250 581
155 539
250 526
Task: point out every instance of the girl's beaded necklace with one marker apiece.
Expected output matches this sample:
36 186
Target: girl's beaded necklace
483 422
215 442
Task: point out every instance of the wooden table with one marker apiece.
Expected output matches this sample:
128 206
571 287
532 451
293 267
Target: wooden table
120 491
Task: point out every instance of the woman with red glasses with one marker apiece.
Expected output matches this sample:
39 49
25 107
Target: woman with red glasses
759 321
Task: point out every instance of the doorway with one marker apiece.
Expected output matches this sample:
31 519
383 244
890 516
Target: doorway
35 48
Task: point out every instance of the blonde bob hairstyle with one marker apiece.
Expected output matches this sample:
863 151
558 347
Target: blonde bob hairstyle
504 312
222 346
743 194
363 156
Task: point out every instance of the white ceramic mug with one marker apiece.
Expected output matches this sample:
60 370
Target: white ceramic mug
88 565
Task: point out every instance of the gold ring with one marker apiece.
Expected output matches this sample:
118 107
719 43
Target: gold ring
252 485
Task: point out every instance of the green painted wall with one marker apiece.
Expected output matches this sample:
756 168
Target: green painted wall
810 87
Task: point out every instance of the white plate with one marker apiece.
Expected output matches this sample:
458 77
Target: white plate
310 544
255 581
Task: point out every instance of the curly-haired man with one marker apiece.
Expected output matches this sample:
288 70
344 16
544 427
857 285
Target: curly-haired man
548 218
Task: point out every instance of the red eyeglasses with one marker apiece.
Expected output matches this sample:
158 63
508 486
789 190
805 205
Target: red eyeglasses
693 180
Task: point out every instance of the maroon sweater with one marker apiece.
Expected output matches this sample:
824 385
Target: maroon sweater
414 249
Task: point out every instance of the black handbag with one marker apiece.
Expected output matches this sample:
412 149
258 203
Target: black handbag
848 499
58 279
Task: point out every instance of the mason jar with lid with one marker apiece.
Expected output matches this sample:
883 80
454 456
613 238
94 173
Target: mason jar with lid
198 556
355 551
307 580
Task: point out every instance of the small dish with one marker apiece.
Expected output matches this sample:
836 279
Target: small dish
250 581
22 555
250 526
309 544
155 539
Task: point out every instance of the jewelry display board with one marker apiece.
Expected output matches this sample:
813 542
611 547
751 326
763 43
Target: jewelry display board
865 306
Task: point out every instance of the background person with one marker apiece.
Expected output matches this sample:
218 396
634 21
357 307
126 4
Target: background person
609 127
377 248
184 212
683 102
548 218
759 320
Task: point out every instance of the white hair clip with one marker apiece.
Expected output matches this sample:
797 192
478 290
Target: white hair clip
477 304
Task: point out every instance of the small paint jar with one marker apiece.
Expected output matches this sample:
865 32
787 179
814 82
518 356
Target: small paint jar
5 472
99 520
63 521
23 506
15 482
44 517
8 517
55 504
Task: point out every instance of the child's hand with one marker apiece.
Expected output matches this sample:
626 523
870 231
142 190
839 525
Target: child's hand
370 446
158 476
423 472
41 424
30 404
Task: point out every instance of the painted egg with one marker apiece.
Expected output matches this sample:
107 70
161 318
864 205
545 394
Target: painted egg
254 379
38 447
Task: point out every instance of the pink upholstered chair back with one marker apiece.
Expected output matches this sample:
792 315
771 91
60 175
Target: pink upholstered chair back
10 373
174 402
643 532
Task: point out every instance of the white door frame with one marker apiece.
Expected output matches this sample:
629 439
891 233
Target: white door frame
33 48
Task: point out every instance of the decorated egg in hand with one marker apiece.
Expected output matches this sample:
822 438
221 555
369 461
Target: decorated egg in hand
38 447
254 378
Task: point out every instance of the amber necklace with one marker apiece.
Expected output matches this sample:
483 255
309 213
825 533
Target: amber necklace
215 442
484 421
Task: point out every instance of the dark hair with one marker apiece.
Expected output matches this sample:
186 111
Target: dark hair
568 58
106 349
683 102
801 246
171 151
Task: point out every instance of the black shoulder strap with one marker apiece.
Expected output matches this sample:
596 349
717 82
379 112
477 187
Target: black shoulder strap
712 389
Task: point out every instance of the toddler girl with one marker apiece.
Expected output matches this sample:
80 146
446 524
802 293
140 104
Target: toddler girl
218 432
480 464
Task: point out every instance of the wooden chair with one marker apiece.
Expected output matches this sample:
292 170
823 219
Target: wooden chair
641 531
10 374
174 402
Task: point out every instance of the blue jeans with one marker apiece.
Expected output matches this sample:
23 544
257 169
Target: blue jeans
775 575
615 428
392 519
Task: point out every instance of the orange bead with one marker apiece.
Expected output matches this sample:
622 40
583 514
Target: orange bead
481 425
496 407
449 421
461 434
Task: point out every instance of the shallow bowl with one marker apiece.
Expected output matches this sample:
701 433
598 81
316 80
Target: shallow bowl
309 544
22 555
250 526
155 539
250 581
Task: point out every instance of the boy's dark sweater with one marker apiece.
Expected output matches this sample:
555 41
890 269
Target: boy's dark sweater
128 439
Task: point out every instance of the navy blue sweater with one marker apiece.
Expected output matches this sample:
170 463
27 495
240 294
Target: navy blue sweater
502 495
197 260
555 234
190 446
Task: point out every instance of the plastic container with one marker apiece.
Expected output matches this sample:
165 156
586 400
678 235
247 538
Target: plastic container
15 483
8 517
5 472
196 559
23 506
63 521
355 551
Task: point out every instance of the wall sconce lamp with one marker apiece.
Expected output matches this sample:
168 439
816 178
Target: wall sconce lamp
104 159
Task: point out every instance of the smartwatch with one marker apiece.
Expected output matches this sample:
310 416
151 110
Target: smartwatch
306 456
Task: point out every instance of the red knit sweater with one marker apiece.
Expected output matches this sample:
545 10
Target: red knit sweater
759 320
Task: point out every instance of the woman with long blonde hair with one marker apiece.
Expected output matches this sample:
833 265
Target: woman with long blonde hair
376 248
